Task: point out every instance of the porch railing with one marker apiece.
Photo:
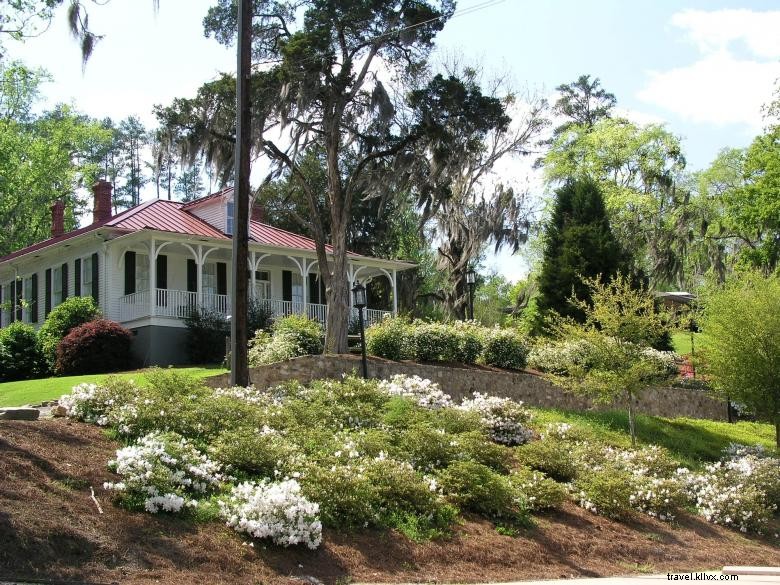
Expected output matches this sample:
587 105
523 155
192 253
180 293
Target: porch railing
178 304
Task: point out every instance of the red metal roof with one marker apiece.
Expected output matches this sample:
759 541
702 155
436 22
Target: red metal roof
173 217
166 216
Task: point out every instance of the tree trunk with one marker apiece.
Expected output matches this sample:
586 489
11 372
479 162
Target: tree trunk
777 432
631 427
338 296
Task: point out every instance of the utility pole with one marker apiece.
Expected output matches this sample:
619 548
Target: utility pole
239 367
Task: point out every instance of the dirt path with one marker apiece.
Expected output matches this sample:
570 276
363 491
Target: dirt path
51 529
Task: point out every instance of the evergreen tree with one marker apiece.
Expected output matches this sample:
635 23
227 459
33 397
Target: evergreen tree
579 245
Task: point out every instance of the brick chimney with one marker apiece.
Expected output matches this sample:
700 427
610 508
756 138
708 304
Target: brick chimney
258 213
102 209
57 218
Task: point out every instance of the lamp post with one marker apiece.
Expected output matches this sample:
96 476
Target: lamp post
471 279
359 301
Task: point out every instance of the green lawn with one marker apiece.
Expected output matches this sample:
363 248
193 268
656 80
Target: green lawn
692 441
681 341
36 391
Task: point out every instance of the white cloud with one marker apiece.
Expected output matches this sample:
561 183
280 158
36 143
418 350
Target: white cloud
721 88
712 31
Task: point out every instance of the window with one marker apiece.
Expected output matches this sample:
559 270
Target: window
86 277
297 288
229 209
262 285
141 272
56 286
28 299
210 278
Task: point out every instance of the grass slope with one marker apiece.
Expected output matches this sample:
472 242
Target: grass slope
690 440
36 391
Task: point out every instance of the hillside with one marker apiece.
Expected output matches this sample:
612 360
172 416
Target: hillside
51 529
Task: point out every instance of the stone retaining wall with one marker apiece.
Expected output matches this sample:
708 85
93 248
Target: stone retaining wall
460 381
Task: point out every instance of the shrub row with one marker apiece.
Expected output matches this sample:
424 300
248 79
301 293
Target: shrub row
460 341
72 340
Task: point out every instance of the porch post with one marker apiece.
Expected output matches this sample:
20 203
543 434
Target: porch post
252 293
199 264
304 278
395 292
152 278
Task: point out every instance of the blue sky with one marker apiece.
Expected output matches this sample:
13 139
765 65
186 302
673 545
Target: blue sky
703 68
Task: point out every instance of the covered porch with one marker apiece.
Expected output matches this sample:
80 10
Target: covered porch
166 278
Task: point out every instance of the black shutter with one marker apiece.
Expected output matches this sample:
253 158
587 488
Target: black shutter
95 279
77 277
192 276
286 285
34 299
47 298
64 281
314 290
129 272
162 271
18 300
221 278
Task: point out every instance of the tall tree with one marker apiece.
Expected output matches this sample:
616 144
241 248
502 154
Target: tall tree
42 158
188 184
582 103
637 169
741 330
579 245
321 86
480 209
132 138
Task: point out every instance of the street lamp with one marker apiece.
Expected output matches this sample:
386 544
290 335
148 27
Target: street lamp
359 301
471 280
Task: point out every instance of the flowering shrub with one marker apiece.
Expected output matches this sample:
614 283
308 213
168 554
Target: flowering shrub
665 361
293 336
95 347
658 497
556 357
161 472
389 338
427 394
470 336
111 403
552 457
505 419
434 342
742 491
273 510
480 489
505 348
606 492
258 452
538 490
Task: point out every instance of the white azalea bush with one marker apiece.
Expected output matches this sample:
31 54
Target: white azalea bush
557 357
742 491
506 419
426 393
102 404
163 472
274 510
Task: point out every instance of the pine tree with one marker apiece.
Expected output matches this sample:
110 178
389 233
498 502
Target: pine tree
579 245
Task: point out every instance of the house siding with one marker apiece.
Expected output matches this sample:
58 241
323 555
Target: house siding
213 212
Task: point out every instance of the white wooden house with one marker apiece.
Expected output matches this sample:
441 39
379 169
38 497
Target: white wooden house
148 266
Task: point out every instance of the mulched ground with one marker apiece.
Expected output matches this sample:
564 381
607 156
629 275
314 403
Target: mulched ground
50 529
